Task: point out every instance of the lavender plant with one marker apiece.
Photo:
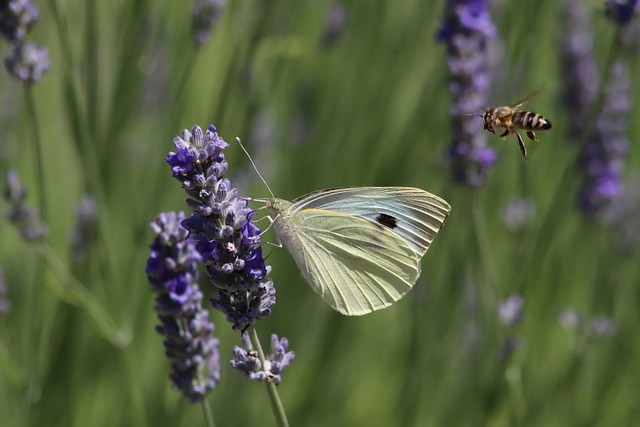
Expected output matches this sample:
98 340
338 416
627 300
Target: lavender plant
466 30
579 68
26 62
603 155
17 17
228 243
246 359
621 11
85 229
5 304
204 15
188 335
221 224
24 218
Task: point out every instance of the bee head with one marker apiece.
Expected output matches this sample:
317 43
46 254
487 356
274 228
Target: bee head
486 117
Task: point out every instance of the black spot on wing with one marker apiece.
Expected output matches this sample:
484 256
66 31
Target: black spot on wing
387 220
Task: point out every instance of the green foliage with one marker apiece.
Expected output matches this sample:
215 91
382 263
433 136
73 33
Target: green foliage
370 110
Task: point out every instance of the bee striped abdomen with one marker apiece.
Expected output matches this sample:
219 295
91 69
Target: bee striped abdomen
530 121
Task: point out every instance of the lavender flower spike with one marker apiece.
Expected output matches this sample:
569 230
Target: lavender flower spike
20 215
204 15
27 62
466 30
621 11
221 224
189 344
5 304
603 155
16 18
246 360
579 67
84 232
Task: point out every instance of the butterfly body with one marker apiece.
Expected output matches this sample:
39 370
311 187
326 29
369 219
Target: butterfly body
359 247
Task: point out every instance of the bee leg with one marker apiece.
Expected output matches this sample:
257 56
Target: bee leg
522 147
532 136
505 133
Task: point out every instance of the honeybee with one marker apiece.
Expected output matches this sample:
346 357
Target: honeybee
511 119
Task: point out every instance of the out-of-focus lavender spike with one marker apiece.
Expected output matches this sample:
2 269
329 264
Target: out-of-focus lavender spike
466 30
24 218
5 304
204 15
579 68
603 155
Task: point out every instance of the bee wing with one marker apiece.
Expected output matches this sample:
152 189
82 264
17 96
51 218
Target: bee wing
524 100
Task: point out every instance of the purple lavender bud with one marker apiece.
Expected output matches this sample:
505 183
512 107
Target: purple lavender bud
27 62
518 212
511 310
221 225
16 18
570 319
620 11
602 158
579 67
466 30
5 304
20 215
335 24
188 335
278 359
84 231
204 15
601 326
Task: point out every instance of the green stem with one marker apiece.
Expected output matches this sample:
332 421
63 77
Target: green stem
484 245
37 151
276 403
208 413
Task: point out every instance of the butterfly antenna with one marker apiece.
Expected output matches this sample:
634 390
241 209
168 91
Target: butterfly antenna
255 167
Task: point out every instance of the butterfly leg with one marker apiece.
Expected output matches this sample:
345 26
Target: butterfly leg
531 135
271 221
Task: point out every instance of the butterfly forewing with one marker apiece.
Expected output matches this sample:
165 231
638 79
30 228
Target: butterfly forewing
355 265
413 214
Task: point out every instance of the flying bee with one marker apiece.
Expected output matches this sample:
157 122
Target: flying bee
511 119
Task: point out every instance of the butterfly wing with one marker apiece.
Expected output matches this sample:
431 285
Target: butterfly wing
355 265
414 214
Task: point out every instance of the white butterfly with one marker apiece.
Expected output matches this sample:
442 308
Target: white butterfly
359 247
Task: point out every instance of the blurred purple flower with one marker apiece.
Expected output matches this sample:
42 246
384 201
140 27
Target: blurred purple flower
511 310
188 335
83 234
518 212
5 304
579 68
601 326
27 62
466 30
16 18
620 11
602 158
204 15
571 319
277 360
20 215
335 23
222 226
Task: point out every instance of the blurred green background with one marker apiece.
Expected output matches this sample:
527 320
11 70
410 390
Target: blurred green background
368 109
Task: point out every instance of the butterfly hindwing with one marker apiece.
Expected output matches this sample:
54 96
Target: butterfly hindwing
355 265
